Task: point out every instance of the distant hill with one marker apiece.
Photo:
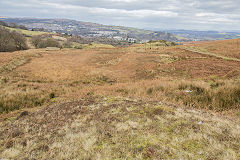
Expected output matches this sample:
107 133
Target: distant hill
88 29
204 35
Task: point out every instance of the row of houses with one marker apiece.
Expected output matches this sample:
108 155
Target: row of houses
130 40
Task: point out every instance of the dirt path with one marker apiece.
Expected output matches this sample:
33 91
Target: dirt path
197 50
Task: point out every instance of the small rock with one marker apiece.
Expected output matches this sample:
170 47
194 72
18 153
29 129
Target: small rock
200 122
188 91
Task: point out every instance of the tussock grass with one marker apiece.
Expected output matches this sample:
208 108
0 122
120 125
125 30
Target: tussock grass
109 72
19 100
217 96
119 128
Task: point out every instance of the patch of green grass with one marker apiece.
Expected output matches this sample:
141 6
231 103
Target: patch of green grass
27 32
96 45
167 60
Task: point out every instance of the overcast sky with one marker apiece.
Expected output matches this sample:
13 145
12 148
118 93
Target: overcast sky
154 14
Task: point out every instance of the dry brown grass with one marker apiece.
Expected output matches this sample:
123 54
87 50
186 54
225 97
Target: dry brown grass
228 48
119 128
141 127
135 71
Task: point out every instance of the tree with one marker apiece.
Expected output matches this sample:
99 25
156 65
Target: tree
6 44
11 41
19 41
22 27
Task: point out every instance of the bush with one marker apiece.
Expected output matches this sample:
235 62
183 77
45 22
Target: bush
43 42
78 47
22 27
11 41
67 44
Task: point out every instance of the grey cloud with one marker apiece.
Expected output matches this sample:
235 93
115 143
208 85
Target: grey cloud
159 14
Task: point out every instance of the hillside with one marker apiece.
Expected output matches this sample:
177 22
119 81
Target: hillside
27 32
88 29
145 101
192 35
227 48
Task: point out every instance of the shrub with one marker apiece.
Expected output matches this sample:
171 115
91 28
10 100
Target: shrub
49 42
36 40
22 27
67 44
78 47
52 95
19 41
11 41
43 42
149 90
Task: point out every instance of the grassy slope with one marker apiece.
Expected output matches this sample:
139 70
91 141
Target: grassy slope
128 30
225 48
119 128
27 32
140 33
203 51
107 126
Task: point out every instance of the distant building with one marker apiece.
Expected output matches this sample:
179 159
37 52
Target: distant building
144 41
131 40
119 38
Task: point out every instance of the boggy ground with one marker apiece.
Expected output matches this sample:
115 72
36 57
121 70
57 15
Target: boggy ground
118 104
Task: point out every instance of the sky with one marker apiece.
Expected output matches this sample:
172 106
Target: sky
146 14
